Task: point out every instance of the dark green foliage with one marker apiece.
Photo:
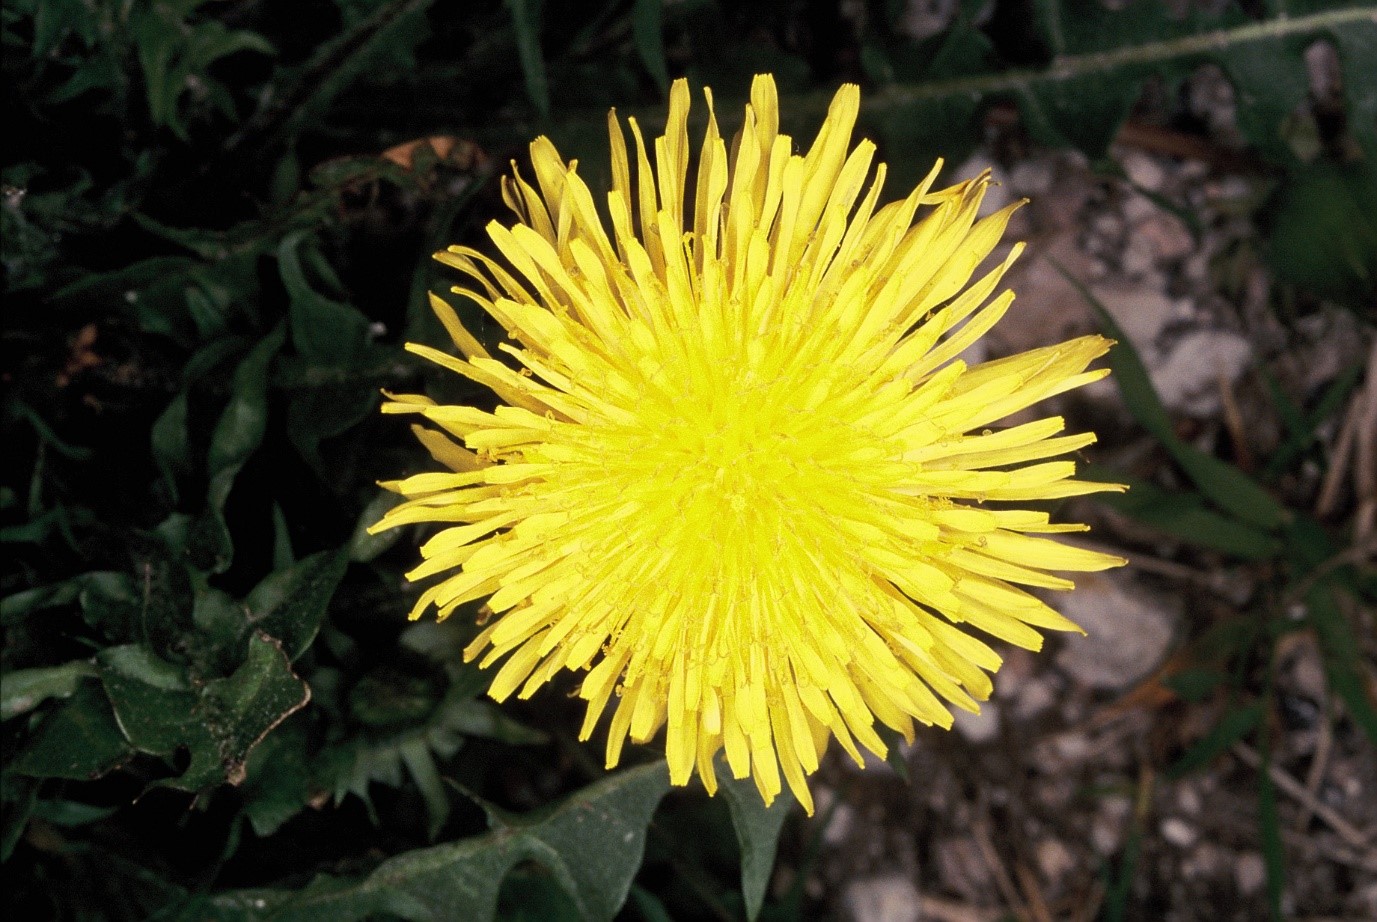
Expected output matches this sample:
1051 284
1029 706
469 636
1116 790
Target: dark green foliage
1323 224
213 707
757 833
462 880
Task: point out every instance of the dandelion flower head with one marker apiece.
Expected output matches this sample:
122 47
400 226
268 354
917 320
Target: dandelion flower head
739 477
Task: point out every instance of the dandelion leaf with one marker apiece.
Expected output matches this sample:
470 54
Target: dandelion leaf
591 844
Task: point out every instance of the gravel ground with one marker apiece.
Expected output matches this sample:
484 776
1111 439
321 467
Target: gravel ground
1028 810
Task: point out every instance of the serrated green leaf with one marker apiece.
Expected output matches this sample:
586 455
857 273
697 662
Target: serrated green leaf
153 702
651 908
240 429
238 711
389 697
71 813
219 628
25 689
481 717
384 700
283 554
174 54
420 764
16 606
1111 48
592 843
22 410
219 722
1270 83
164 617
363 546
108 602
20 799
62 521
531 895
324 331
757 833
1084 112
1356 44
290 604
171 451
80 741
323 412
278 782
53 20
237 436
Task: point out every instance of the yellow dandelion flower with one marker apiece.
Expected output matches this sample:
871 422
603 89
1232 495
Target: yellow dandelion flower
739 473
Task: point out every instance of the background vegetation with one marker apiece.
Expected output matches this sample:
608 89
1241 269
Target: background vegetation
216 226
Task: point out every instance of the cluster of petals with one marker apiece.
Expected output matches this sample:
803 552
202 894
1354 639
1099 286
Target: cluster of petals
738 476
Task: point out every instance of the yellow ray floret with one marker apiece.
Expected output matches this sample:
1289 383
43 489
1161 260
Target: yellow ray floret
738 474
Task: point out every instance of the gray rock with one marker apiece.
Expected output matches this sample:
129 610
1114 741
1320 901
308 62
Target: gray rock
978 728
1138 257
1141 312
1127 630
997 195
923 18
842 816
1053 858
1166 236
1188 379
1108 829
1137 206
1034 697
889 898
1031 177
1250 873
1205 861
1143 170
1178 832
960 867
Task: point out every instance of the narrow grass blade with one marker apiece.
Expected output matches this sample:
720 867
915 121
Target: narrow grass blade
1185 517
646 29
1339 650
532 61
1223 484
1232 727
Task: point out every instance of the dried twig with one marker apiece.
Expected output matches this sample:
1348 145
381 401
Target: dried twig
328 61
940 910
1328 497
980 831
1324 744
1032 892
1089 908
1359 552
1233 421
1216 582
1289 785
1365 465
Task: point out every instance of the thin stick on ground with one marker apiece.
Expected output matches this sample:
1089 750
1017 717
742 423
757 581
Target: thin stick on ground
1287 784
980 831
